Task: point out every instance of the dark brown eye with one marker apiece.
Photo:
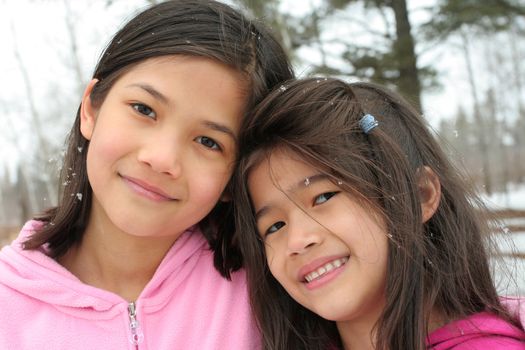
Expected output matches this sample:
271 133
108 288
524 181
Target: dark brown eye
208 142
324 197
274 228
144 110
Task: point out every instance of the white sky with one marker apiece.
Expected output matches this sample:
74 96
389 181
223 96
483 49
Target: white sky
38 28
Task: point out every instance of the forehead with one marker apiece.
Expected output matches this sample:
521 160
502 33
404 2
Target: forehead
200 67
192 85
283 170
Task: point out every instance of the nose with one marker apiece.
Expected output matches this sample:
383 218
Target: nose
163 154
304 232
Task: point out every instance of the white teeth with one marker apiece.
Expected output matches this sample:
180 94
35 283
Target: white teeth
325 268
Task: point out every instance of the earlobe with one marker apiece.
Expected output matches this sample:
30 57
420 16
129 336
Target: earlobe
429 192
87 112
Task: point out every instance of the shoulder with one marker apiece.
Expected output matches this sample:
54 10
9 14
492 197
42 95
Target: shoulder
516 307
237 280
479 331
491 342
29 228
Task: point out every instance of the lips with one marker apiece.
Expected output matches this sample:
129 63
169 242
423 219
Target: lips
320 267
147 190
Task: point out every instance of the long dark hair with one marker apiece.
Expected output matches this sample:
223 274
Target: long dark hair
202 28
439 265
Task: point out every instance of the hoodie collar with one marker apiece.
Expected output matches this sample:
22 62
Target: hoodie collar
33 273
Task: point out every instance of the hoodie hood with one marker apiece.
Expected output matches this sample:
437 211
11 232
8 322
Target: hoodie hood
34 274
479 331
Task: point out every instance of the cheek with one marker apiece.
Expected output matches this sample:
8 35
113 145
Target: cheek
105 147
208 185
275 262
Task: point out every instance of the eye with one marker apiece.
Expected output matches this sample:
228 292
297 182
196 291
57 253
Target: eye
208 142
144 110
274 228
324 197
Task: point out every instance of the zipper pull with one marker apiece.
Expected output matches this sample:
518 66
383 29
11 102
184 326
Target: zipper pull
136 336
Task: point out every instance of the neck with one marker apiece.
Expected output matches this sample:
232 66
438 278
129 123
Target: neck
360 334
110 259
358 331
356 335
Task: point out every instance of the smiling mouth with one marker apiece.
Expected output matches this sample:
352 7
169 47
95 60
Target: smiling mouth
321 271
147 190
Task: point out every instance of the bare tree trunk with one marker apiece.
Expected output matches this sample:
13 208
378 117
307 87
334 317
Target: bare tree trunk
71 31
4 197
35 118
481 129
26 195
404 47
42 148
519 133
495 108
317 39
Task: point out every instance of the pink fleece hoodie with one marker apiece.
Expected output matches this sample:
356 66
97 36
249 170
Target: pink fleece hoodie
479 331
186 305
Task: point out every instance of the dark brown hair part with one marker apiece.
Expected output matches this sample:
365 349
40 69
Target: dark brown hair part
441 264
202 28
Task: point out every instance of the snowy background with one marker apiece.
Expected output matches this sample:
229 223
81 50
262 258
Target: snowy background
57 43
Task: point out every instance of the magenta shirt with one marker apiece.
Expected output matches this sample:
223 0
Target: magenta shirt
479 331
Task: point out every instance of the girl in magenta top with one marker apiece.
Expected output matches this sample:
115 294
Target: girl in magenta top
136 254
357 231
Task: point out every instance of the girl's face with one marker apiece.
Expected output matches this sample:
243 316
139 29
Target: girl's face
326 250
162 144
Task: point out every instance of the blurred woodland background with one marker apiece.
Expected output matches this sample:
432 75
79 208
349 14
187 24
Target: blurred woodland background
401 43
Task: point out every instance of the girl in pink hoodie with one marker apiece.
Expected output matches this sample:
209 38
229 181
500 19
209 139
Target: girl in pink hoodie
137 254
356 230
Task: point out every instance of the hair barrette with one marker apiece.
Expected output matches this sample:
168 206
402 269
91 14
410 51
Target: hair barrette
367 123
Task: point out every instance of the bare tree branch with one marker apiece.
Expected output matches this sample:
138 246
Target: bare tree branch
71 31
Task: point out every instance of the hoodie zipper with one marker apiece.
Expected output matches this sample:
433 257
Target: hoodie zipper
136 336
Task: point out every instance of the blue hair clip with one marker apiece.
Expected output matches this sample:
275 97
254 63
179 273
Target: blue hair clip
367 123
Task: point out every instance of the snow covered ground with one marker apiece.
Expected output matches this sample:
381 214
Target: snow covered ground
514 199
511 241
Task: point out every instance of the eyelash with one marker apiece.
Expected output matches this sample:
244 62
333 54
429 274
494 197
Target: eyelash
326 194
329 195
269 230
139 107
204 140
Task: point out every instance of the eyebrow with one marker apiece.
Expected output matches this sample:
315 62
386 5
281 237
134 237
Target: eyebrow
152 91
294 188
164 99
221 128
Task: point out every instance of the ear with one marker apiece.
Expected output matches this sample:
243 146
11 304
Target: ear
429 192
88 113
